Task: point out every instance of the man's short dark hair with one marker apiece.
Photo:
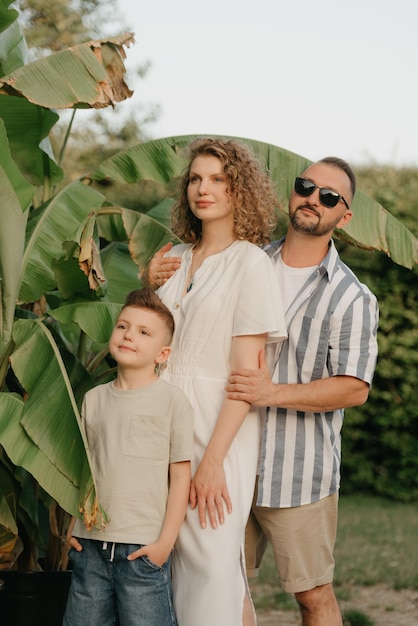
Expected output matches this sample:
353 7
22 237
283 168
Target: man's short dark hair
345 167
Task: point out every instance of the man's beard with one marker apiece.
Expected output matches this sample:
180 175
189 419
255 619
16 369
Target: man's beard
310 228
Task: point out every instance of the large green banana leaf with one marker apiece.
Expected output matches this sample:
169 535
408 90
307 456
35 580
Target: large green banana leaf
8 508
87 75
121 272
144 233
96 319
41 433
372 226
16 193
47 229
28 126
18 189
13 49
133 238
20 495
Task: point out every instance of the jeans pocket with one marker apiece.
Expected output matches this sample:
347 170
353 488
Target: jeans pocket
72 553
151 564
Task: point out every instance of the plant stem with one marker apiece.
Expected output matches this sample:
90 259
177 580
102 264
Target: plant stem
67 134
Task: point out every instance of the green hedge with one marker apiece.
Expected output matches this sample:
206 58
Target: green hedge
380 439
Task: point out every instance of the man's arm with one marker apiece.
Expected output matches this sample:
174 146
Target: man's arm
160 268
327 394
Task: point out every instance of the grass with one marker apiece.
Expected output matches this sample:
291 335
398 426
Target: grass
376 543
352 617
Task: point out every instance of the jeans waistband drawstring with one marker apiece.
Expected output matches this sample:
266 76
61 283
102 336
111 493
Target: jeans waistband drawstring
112 550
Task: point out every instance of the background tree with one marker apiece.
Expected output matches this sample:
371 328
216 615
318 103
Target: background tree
50 27
96 135
380 439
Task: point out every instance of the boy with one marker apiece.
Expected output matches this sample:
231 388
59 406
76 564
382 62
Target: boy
139 432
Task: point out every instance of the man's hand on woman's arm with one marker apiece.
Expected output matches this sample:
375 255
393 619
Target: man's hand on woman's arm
160 268
317 396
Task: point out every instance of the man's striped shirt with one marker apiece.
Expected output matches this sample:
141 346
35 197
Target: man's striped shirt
332 327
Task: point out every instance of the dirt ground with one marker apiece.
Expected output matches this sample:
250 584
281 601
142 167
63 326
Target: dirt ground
385 606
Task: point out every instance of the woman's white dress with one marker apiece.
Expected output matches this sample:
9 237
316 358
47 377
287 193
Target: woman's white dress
234 293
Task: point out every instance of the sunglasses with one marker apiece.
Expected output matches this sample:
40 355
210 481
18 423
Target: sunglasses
327 197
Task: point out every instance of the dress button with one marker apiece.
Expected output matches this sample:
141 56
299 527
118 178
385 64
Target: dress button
176 305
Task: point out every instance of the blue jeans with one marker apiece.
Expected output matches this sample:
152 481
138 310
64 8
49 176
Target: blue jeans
107 589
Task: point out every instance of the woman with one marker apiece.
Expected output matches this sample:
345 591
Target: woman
226 305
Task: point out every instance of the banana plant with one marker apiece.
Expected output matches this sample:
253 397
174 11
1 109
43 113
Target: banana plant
47 234
372 226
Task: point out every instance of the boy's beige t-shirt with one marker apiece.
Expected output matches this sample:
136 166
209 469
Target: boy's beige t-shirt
132 437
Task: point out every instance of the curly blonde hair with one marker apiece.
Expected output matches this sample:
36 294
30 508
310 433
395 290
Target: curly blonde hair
249 184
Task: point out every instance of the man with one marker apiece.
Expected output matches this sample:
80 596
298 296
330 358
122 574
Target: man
326 365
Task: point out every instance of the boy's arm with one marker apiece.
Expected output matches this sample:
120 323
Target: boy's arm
72 542
178 498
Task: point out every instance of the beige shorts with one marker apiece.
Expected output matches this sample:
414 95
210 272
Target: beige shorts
303 541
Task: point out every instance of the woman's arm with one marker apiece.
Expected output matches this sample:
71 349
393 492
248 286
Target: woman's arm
209 490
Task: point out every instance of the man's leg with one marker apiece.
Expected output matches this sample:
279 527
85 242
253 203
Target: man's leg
319 606
255 545
303 540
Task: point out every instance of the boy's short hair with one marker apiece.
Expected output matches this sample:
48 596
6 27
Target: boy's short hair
146 298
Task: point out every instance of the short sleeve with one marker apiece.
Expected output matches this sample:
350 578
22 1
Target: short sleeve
181 436
259 307
354 346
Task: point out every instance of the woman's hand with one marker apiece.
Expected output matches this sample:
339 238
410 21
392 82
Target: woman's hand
209 492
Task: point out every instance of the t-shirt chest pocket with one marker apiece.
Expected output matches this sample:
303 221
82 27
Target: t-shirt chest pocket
147 437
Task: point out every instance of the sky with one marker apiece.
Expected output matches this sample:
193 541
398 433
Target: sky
316 77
